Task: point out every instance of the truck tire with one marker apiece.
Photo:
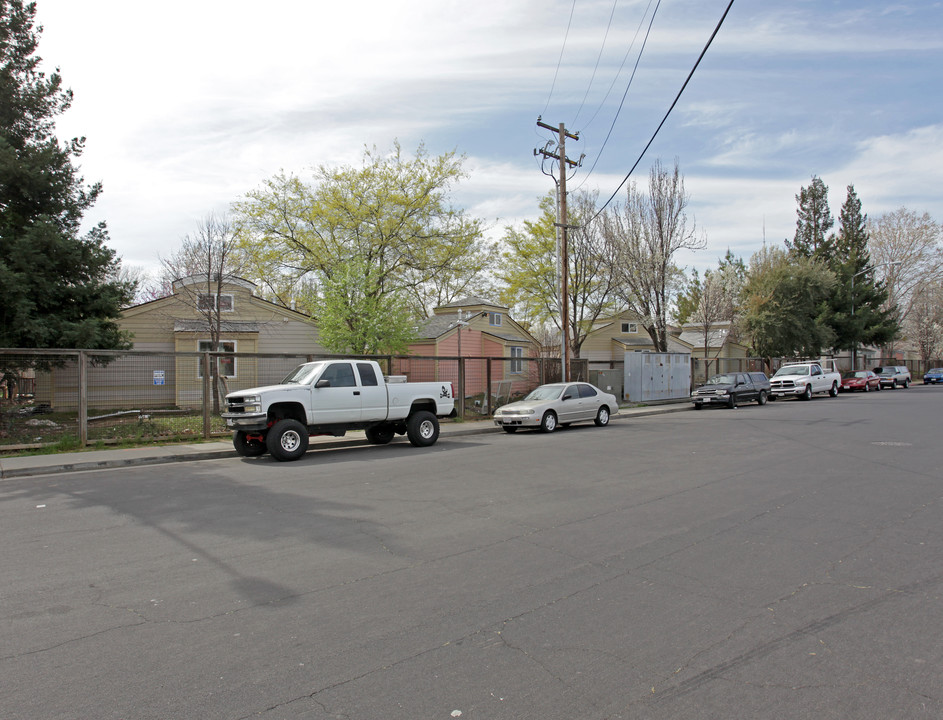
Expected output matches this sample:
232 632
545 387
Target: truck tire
287 440
906 384
732 402
246 447
807 393
380 434
422 428
833 391
761 398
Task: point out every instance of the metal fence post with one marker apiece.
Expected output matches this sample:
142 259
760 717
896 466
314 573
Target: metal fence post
206 395
488 407
461 387
83 398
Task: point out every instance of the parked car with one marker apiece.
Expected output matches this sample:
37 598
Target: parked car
558 404
893 376
863 380
933 375
730 389
803 380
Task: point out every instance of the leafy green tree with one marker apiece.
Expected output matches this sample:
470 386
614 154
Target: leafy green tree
351 319
782 304
529 272
689 296
59 288
392 216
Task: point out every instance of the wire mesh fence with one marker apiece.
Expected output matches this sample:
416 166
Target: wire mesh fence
74 398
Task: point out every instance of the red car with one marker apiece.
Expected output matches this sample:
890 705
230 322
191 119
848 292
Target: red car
864 380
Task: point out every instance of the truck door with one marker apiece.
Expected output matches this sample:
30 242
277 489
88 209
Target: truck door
336 397
372 393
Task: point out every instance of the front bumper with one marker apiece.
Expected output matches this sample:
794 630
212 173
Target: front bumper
787 391
709 399
517 421
245 421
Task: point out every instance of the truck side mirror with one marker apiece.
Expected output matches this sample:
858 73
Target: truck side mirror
322 384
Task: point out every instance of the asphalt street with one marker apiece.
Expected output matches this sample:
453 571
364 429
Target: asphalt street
766 562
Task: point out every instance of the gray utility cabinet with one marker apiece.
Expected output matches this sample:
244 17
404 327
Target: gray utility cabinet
656 376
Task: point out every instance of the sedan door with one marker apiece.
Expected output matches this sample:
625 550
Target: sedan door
568 406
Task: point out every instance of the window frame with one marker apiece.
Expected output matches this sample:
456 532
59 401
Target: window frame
203 305
629 328
221 360
516 353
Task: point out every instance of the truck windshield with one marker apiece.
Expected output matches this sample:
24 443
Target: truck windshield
793 370
722 380
303 374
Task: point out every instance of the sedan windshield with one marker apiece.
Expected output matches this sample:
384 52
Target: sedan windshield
859 374
793 370
721 380
303 374
546 392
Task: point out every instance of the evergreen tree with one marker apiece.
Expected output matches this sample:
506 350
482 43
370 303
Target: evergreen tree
58 287
815 220
858 304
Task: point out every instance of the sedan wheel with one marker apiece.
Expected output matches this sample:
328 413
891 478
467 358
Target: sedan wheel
549 422
867 387
602 417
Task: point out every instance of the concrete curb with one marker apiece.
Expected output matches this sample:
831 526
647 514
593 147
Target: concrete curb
36 465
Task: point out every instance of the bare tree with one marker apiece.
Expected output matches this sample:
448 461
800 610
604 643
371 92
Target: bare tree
206 262
712 307
644 235
912 242
925 321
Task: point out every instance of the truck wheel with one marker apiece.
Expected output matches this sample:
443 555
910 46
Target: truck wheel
833 391
602 417
548 423
732 402
894 384
380 434
422 428
761 398
287 440
906 384
246 447
807 393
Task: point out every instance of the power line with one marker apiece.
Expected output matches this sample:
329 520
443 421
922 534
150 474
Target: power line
560 59
665 118
625 94
598 59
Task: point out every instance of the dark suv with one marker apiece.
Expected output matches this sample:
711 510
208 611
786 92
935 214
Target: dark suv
732 388
893 376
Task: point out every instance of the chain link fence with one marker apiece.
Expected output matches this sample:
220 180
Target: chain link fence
74 398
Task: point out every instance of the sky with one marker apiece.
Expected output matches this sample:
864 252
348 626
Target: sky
188 105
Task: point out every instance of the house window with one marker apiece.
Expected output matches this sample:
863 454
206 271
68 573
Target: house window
494 319
628 327
226 364
517 363
207 301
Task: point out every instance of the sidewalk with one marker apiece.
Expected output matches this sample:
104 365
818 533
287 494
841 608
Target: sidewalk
12 467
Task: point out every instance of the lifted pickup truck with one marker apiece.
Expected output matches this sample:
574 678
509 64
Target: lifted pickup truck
330 397
803 380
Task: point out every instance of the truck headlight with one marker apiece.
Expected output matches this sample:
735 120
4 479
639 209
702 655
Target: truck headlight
253 408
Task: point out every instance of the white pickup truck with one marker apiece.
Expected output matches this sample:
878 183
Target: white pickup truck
330 397
804 380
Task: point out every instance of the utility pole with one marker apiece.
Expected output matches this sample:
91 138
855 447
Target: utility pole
564 163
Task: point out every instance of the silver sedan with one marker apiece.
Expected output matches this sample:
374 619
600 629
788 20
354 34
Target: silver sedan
558 404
